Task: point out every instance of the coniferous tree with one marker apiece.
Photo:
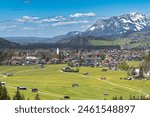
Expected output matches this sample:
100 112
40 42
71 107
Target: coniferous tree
141 72
115 98
0 90
120 98
3 93
18 96
37 97
130 98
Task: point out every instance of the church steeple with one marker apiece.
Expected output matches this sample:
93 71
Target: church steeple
57 51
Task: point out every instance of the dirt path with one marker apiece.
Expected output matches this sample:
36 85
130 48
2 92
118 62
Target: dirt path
111 83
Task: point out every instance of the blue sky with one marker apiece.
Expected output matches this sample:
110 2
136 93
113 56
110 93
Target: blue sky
52 17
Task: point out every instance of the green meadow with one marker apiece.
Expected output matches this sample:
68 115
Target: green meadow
54 84
119 42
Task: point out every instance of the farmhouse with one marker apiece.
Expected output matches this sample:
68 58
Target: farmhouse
136 72
66 97
34 90
103 78
9 74
31 59
106 94
104 70
3 83
21 88
75 85
147 74
17 58
129 78
68 69
86 73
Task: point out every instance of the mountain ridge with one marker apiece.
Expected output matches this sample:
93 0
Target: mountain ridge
7 44
115 27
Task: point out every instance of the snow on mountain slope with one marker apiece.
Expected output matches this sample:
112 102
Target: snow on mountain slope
117 25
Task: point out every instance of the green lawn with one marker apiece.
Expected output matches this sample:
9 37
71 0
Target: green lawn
53 84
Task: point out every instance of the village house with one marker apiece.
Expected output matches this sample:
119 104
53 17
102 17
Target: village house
31 60
68 69
16 60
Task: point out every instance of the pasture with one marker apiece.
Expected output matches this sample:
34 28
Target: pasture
52 84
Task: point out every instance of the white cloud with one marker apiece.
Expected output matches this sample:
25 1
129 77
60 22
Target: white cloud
33 19
68 23
54 19
30 17
49 20
28 28
85 26
77 15
27 19
48 26
40 20
7 27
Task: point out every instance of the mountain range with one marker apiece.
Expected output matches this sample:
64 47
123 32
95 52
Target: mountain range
131 26
7 44
118 26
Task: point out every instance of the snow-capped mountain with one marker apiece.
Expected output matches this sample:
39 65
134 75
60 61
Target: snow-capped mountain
119 25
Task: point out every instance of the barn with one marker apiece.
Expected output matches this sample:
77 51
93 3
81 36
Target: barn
21 88
3 83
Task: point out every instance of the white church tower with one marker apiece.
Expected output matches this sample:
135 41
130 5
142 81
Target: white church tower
57 51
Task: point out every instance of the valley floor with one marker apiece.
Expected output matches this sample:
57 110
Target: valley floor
54 84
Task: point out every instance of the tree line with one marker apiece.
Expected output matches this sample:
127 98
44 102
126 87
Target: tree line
141 97
17 96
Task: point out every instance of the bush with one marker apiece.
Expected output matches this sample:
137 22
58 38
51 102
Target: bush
77 70
123 66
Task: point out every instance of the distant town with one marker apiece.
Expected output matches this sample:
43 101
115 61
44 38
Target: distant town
78 57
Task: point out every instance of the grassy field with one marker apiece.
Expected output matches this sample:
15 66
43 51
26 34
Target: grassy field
109 42
53 84
119 42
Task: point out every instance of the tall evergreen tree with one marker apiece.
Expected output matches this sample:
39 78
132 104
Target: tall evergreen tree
37 97
3 93
0 90
141 74
18 96
120 98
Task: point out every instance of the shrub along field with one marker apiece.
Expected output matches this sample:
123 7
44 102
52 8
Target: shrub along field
54 84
